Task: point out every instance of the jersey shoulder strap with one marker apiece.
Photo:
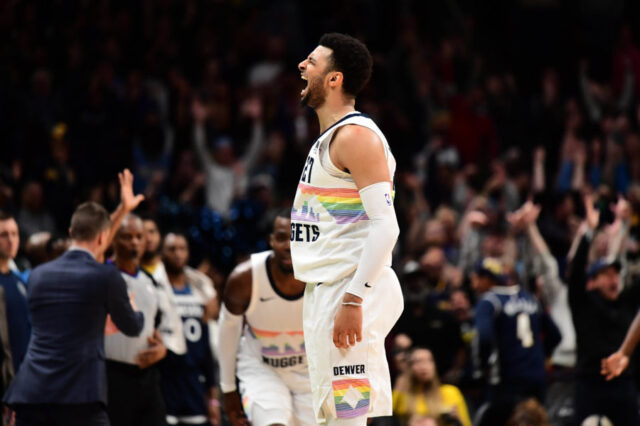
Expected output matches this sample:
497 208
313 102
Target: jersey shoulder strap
153 280
258 277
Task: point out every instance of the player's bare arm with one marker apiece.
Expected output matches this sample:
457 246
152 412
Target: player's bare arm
360 152
236 294
235 297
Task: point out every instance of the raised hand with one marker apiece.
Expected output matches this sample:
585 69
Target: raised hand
199 111
530 213
128 199
477 218
592 214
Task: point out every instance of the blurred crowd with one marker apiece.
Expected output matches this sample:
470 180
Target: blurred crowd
498 148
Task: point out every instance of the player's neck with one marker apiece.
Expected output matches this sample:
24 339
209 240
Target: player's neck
126 265
4 265
333 110
177 280
149 261
285 281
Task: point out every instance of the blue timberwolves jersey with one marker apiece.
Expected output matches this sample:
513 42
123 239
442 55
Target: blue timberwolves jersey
186 378
509 323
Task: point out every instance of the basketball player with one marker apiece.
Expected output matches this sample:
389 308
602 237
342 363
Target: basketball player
343 230
271 361
188 380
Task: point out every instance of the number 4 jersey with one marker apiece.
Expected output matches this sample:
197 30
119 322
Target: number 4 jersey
328 223
510 324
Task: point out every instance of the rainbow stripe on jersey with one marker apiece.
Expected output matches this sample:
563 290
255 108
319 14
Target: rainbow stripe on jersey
343 204
351 397
279 343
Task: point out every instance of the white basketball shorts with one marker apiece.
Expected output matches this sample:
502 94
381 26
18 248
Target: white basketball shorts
280 397
354 382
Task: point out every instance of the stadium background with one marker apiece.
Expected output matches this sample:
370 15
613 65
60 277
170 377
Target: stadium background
467 93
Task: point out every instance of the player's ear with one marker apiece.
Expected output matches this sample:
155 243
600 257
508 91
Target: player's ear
335 79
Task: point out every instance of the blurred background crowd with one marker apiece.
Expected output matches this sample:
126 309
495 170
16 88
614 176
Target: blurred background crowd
503 116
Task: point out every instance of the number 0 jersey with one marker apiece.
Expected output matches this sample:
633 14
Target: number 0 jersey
328 222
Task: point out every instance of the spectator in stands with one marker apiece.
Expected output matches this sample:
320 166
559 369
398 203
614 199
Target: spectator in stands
15 292
440 277
431 327
602 311
528 413
32 215
510 325
226 175
419 393
554 292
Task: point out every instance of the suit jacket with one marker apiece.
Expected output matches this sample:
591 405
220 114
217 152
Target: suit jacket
6 361
69 299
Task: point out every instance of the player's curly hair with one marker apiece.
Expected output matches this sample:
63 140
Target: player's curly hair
350 57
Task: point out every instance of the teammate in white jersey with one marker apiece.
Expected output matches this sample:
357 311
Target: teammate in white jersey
343 230
270 356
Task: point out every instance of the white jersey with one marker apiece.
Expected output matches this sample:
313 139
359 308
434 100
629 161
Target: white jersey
273 330
143 294
170 326
328 222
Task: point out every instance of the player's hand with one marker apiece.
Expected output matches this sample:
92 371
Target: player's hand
347 324
233 407
215 418
128 200
156 351
613 366
211 310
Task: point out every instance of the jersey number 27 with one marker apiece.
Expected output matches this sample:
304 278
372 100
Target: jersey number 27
306 172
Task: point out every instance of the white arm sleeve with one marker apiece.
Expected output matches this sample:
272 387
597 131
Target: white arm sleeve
229 332
378 204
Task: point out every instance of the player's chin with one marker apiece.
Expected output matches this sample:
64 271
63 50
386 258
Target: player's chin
286 266
304 99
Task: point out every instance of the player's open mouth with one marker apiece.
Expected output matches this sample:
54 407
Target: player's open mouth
304 91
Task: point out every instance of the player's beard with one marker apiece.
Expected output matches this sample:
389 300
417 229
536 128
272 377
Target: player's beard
149 255
286 269
173 269
316 95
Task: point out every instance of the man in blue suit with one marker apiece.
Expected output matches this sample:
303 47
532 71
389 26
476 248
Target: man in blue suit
62 380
